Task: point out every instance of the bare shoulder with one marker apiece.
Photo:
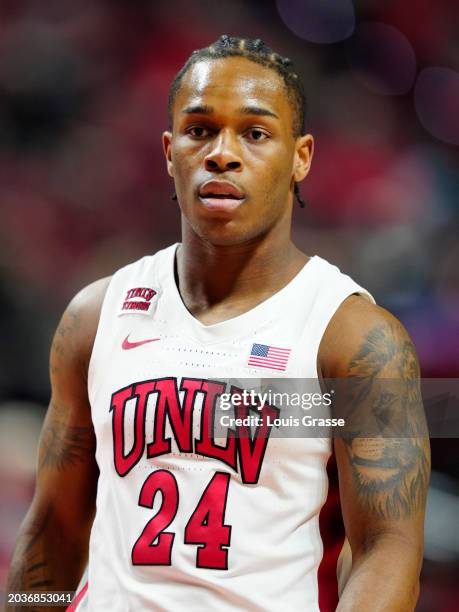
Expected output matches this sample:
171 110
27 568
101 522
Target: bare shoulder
74 337
88 301
364 336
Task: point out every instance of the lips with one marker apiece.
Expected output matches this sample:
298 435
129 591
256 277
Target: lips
221 195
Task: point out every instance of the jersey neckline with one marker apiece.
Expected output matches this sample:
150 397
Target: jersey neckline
238 325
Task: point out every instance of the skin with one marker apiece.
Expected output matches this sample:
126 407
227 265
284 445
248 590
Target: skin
52 546
228 263
383 478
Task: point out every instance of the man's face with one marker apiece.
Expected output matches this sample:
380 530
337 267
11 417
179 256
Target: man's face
232 152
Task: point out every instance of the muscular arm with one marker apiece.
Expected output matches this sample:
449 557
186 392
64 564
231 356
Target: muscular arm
51 549
383 460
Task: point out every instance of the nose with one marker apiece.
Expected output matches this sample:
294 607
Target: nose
224 154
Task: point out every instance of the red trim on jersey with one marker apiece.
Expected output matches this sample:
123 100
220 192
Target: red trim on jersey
78 597
332 533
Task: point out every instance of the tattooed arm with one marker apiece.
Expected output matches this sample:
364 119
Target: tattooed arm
51 549
383 459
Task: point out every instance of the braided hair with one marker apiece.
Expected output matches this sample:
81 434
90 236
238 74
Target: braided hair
256 51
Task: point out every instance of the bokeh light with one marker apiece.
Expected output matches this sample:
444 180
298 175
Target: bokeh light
318 21
436 98
382 58
84 188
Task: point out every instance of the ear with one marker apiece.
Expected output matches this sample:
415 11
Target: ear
167 148
304 150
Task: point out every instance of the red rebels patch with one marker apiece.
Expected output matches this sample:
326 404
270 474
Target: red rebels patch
138 300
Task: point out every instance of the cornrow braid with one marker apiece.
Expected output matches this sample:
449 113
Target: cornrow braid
298 196
256 51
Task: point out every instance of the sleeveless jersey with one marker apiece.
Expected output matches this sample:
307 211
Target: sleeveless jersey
188 520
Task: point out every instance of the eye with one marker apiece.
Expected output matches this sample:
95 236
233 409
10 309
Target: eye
197 131
256 134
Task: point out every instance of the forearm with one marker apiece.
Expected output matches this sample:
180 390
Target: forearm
47 556
385 578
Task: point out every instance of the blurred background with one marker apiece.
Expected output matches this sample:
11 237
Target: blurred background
84 189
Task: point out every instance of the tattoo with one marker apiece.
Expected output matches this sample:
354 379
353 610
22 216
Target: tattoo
69 324
39 562
28 569
36 529
64 445
36 566
388 441
41 583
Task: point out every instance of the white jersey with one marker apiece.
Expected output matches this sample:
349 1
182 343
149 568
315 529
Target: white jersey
189 519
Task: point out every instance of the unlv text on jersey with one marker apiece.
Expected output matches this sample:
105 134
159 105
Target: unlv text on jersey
242 452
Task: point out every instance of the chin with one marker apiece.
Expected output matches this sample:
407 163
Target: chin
228 233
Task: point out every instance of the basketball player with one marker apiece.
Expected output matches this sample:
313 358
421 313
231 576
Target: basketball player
128 469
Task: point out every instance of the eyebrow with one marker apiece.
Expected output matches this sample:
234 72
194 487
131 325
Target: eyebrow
198 109
204 109
257 110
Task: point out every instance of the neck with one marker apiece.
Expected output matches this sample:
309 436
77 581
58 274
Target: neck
210 275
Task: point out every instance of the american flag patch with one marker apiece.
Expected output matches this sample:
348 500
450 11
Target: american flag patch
270 357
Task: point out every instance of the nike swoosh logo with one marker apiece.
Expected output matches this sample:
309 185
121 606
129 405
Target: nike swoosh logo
130 345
